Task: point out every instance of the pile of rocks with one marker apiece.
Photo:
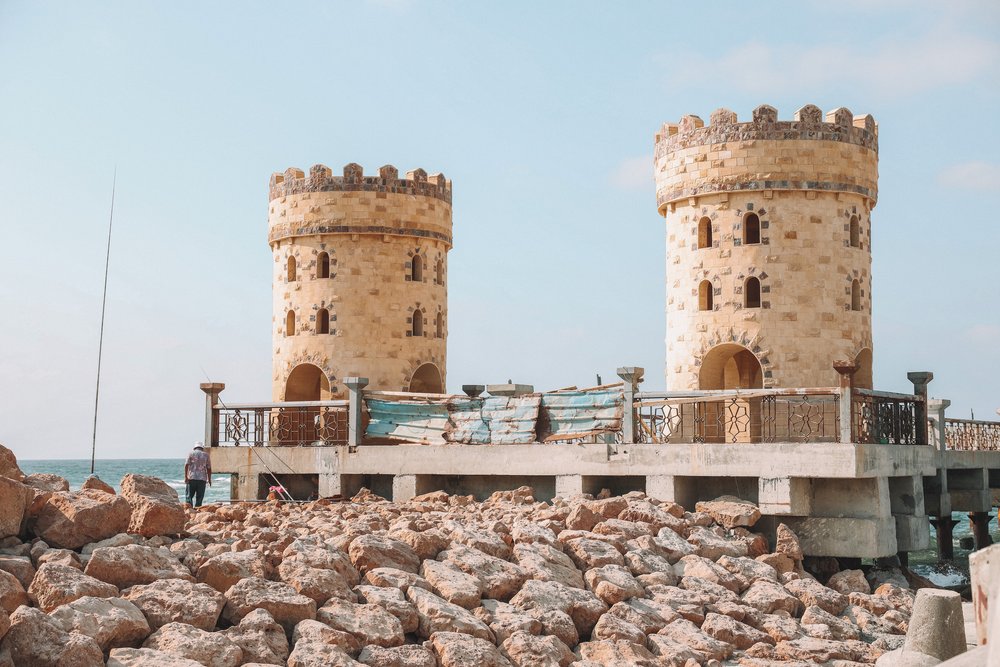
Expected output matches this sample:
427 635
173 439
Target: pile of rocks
437 581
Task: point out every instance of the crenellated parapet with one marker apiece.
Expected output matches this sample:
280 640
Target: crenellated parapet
321 179
834 152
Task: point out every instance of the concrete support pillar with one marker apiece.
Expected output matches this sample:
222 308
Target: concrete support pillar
980 529
631 376
920 380
567 485
945 540
247 486
329 485
785 496
846 370
355 406
404 487
212 391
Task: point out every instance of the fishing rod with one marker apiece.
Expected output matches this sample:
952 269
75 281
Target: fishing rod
104 303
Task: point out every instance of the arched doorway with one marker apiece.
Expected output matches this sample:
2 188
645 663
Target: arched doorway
426 380
726 367
863 376
301 425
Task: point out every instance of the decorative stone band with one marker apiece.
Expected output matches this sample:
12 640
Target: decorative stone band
280 232
779 131
321 179
664 197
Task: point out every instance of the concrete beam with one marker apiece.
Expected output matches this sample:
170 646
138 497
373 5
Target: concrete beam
845 537
785 496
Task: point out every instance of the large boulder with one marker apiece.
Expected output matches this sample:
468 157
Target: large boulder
133 564
47 482
500 579
212 649
455 649
547 563
437 615
20 567
369 552
55 585
527 650
223 571
261 638
370 624
730 511
8 465
280 600
316 654
583 607
175 600
156 509
317 583
397 656
71 520
36 639
14 498
112 622
12 593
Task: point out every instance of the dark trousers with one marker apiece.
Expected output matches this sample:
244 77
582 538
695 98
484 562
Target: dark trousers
196 490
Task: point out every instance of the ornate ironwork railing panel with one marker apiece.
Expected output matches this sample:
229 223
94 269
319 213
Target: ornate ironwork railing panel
884 418
755 416
971 435
312 424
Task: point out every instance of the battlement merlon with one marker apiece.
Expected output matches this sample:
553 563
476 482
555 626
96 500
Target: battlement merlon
836 152
321 179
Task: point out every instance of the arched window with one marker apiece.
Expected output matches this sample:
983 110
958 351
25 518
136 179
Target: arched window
751 229
323 321
323 265
290 323
291 269
751 293
417 269
439 325
855 232
855 295
705 233
439 272
417 325
705 295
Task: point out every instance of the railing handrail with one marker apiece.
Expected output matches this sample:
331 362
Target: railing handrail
977 422
286 404
887 394
721 394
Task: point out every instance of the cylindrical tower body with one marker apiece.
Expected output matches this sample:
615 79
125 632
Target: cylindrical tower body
768 247
359 280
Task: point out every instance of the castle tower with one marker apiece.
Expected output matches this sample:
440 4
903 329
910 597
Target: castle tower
360 280
768 247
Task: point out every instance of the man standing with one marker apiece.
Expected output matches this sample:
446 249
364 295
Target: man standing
197 473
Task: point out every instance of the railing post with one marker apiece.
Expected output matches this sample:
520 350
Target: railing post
935 411
212 391
355 385
846 370
632 376
920 380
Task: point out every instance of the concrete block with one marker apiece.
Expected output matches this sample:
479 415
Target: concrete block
568 485
937 627
964 500
329 485
845 536
984 569
785 496
913 533
672 488
404 487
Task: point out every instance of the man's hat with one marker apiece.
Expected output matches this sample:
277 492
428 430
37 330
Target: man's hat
199 444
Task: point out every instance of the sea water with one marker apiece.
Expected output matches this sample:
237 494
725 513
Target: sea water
111 471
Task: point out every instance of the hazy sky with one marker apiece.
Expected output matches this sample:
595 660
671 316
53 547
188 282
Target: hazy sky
542 113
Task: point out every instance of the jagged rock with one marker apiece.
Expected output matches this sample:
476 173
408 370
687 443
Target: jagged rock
673 653
147 657
582 606
316 583
12 593
260 638
530 532
582 517
557 623
393 601
14 499
453 584
787 542
612 584
176 600
780 563
313 654
455 649
527 650
488 543
611 627
672 545
44 481
616 652
609 508
280 600
849 581
398 656
60 556
212 649
547 563
811 592
369 552
156 509
823 650
748 569
134 564
112 622
703 568
322 557
54 585
36 639
390 577
71 520
713 546
426 544
8 465
437 615
97 484
225 570
20 566
588 553
731 631
500 579
730 511
685 632
769 597
367 623
505 619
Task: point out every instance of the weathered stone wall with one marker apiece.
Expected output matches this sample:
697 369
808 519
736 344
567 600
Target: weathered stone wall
804 180
371 228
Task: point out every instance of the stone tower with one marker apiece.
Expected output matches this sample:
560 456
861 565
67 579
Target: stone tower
768 247
360 280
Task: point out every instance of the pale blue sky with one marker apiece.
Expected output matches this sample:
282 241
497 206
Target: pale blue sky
543 114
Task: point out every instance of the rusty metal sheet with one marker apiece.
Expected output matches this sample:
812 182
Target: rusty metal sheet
422 422
512 420
570 414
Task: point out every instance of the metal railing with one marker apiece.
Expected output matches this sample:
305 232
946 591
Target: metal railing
971 435
744 416
303 423
882 417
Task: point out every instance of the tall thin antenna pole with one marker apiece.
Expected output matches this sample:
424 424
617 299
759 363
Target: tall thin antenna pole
104 303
